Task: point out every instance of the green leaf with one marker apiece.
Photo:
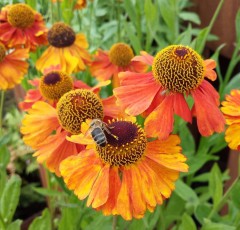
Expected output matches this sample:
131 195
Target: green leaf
185 37
187 140
215 185
216 226
10 197
235 195
4 157
202 211
47 192
133 38
190 16
200 40
187 223
129 7
186 193
16 225
150 12
42 222
234 83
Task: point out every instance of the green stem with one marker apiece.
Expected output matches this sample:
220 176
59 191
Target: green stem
90 24
234 60
59 10
79 20
114 223
119 22
203 41
52 15
218 207
1 111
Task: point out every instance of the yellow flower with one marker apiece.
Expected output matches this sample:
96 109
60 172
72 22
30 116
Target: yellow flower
66 48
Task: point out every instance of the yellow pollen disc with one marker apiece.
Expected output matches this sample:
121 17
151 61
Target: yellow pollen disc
125 145
54 84
61 35
2 52
21 16
121 54
75 106
178 68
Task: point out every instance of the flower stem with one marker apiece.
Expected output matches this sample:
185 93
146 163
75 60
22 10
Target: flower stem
1 111
114 223
59 10
224 199
118 21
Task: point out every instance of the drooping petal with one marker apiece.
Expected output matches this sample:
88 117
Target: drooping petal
232 136
159 123
210 64
39 123
145 58
209 117
130 95
167 153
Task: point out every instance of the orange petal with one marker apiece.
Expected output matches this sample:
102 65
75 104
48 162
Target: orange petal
210 73
145 58
209 117
130 95
232 136
100 190
124 207
167 153
159 123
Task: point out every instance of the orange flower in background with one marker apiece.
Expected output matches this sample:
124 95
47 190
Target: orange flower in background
231 111
13 66
108 64
66 49
177 72
45 128
128 175
80 4
21 25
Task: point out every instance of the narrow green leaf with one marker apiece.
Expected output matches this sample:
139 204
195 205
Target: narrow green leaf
185 37
190 16
42 222
133 38
216 226
10 198
16 225
46 192
4 157
202 211
187 223
235 195
215 185
129 7
234 83
186 193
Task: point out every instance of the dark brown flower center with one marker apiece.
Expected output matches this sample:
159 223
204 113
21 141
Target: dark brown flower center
125 145
61 35
55 84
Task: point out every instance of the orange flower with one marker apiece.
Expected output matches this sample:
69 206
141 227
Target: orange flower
21 25
13 66
128 175
66 49
108 64
231 111
177 72
50 87
80 4
45 128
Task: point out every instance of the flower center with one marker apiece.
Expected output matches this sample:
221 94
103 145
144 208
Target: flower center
75 106
54 84
178 68
2 52
121 54
20 16
61 35
127 148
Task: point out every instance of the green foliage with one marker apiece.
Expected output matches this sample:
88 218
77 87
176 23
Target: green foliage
42 222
